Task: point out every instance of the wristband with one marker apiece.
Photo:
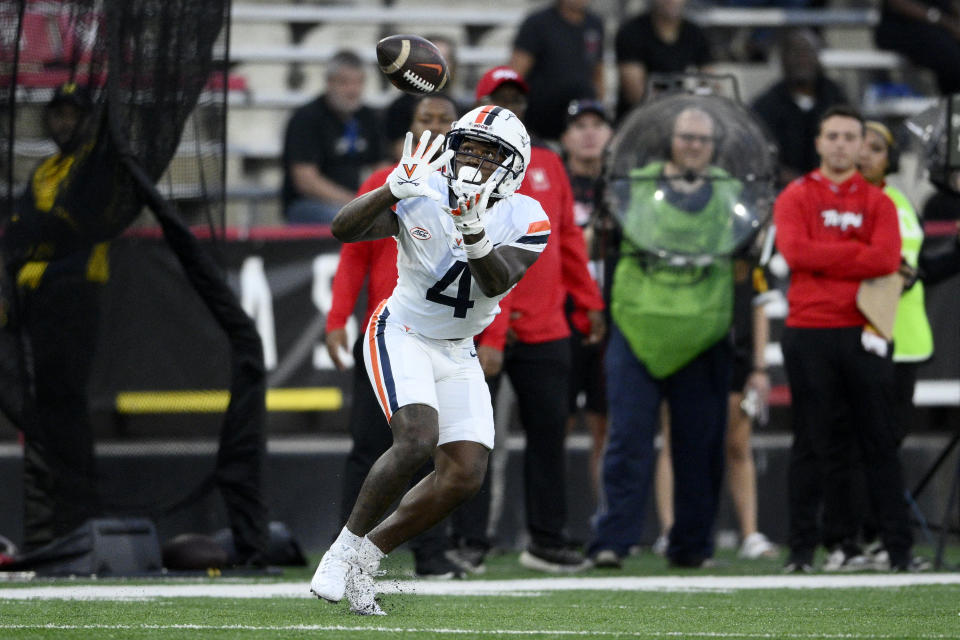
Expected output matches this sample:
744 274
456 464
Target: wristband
478 250
762 370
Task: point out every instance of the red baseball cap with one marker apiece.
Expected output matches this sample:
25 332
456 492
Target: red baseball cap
497 76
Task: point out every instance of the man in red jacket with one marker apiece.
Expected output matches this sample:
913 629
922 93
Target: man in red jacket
377 260
836 230
529 340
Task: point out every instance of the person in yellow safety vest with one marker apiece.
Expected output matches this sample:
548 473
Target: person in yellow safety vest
58 295
912 335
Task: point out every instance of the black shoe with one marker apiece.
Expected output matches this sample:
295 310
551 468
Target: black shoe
469 558
799 562
902 562
553 559
435 567
607 559
846 558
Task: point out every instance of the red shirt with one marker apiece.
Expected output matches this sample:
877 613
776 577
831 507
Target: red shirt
833 236
378 258
535 307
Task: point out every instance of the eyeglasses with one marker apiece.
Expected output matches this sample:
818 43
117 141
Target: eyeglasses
690 138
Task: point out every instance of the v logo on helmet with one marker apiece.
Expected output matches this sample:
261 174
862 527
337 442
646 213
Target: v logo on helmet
409 169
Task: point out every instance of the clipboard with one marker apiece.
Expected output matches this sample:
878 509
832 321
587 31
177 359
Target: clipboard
877 299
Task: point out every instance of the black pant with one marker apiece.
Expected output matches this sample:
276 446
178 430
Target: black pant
60 319
904 383
371 438
540 375
841 402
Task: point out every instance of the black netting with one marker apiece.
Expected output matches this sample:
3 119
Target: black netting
112 135
163 103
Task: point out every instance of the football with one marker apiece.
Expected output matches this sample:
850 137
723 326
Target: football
412 64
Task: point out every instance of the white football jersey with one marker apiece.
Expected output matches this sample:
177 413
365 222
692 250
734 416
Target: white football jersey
435 293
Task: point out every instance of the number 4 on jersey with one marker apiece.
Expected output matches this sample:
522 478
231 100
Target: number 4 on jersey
462 302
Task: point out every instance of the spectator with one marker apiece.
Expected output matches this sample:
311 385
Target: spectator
669 342
329 144
399 112
559 50
927 32
912 335
529 340
754 45
586 137
793 106
835 230
376 262
749 390
58 309
660 41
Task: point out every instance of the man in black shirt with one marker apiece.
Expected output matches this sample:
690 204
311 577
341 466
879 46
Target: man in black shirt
330 142
792 108
58 310
660 41
559 51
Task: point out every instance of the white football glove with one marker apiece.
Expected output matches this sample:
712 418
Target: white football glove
409 178
471 207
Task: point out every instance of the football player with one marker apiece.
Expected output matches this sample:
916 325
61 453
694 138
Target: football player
465 239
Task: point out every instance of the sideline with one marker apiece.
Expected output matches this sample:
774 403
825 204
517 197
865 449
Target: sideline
481 587
549 633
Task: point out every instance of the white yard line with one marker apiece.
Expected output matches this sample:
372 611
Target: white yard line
452 631
479 587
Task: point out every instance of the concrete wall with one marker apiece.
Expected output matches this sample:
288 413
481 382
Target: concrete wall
302 487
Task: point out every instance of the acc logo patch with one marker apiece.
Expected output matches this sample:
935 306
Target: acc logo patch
420 233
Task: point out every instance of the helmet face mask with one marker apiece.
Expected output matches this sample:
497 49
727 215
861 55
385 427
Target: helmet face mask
495 138
474 161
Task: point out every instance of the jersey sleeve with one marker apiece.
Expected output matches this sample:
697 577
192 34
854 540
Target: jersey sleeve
534 236
352 269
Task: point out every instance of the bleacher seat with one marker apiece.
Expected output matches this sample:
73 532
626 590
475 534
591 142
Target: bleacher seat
263 51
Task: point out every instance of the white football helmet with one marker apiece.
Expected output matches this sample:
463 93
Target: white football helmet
492 124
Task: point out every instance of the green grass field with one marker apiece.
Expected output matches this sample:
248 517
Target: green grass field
739 599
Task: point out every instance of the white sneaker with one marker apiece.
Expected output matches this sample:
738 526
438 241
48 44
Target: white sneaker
661 544
361 591
756 545
330 579
842 561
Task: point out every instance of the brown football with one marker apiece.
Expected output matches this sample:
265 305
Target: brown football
412 64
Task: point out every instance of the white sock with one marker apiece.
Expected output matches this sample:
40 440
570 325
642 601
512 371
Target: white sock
369 555
349 539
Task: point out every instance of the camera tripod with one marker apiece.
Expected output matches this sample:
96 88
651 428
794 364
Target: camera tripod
953 501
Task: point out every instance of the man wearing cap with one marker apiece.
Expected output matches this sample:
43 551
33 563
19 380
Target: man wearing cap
583 141
529 340
58 303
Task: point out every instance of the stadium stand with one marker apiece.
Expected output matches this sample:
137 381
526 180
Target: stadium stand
279 49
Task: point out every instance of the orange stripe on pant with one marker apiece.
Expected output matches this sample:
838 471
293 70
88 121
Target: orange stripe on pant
375 360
